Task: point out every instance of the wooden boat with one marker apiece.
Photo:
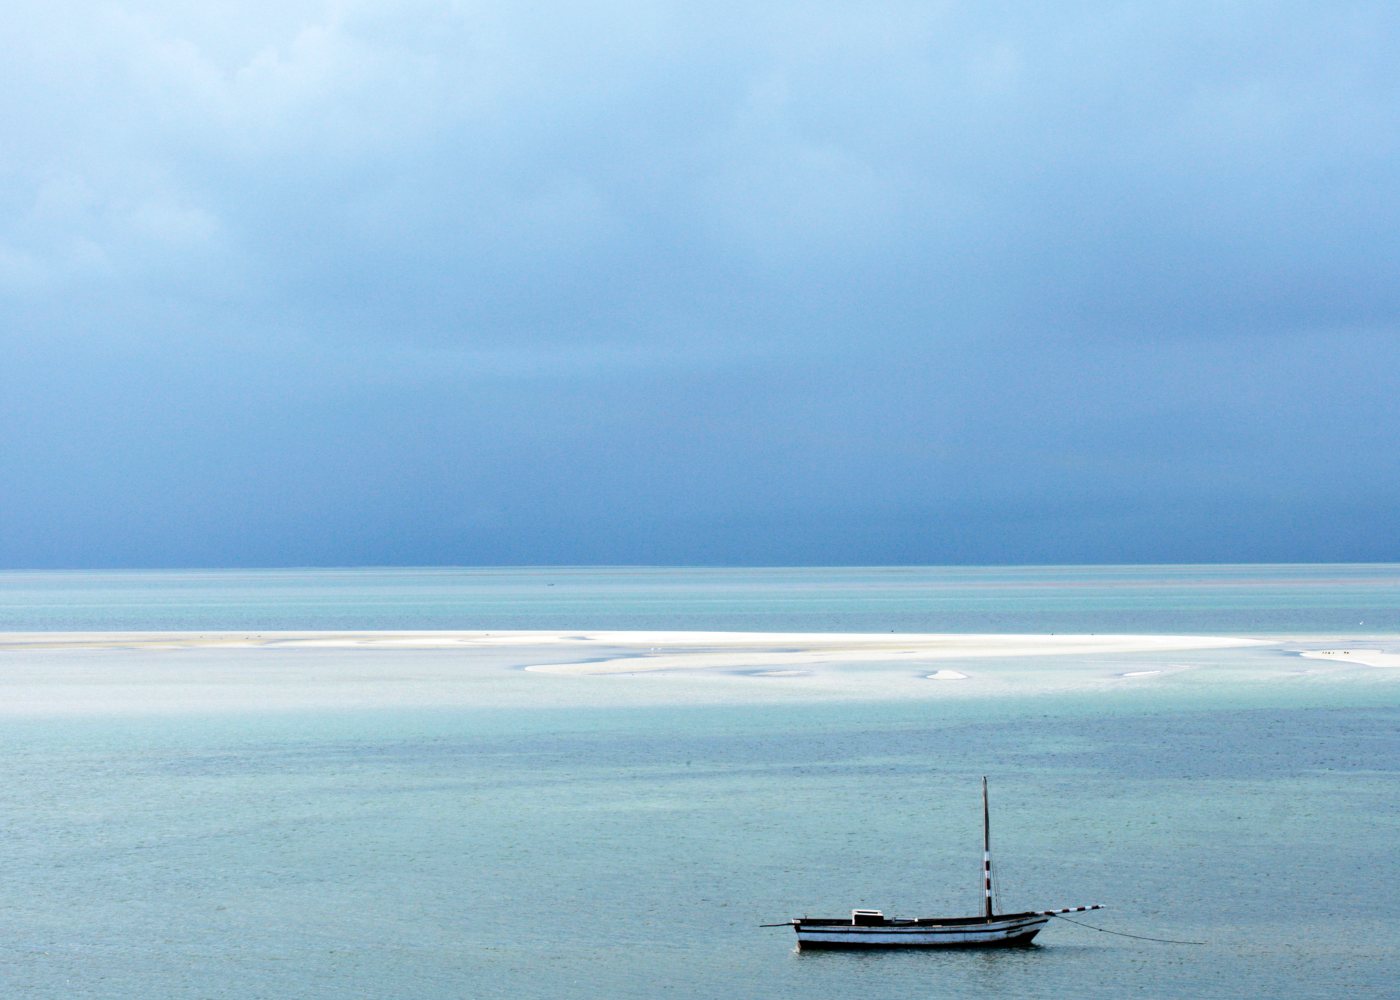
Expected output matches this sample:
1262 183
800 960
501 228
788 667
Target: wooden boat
872 929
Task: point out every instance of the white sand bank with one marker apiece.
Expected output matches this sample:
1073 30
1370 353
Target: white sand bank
184 672
633 652
13 641
1365 657
646 652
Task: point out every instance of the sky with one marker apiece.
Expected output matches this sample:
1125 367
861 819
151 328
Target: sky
479 283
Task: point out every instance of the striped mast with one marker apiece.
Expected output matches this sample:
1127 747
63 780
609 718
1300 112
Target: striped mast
986 850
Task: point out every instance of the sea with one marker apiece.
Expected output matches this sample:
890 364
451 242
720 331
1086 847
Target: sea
1242 834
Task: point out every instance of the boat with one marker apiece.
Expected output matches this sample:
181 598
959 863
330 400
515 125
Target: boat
872 929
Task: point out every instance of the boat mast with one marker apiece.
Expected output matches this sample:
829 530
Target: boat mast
986 850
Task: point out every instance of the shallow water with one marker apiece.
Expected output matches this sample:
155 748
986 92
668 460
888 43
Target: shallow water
634 852
629 843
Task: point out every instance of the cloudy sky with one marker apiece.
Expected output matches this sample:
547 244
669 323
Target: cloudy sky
346 283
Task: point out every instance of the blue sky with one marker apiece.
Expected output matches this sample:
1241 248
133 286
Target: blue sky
354 283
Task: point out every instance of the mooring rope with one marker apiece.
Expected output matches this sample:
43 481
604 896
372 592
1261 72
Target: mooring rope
1139 937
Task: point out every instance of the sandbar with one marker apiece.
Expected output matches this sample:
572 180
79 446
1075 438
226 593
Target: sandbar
107 673
633 652
1366 657
13 641
647 652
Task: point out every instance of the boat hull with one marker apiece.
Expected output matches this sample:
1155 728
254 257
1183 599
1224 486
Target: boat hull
1009 931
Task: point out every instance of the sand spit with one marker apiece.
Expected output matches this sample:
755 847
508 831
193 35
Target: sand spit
632 652
168 672
1364 657
648 652
278 640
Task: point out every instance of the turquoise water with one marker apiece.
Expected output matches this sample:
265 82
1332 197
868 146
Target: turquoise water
1146 599
631 851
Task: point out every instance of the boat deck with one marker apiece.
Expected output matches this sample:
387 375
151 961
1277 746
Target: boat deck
883 921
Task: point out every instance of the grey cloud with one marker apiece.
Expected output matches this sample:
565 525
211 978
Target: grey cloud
634 280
